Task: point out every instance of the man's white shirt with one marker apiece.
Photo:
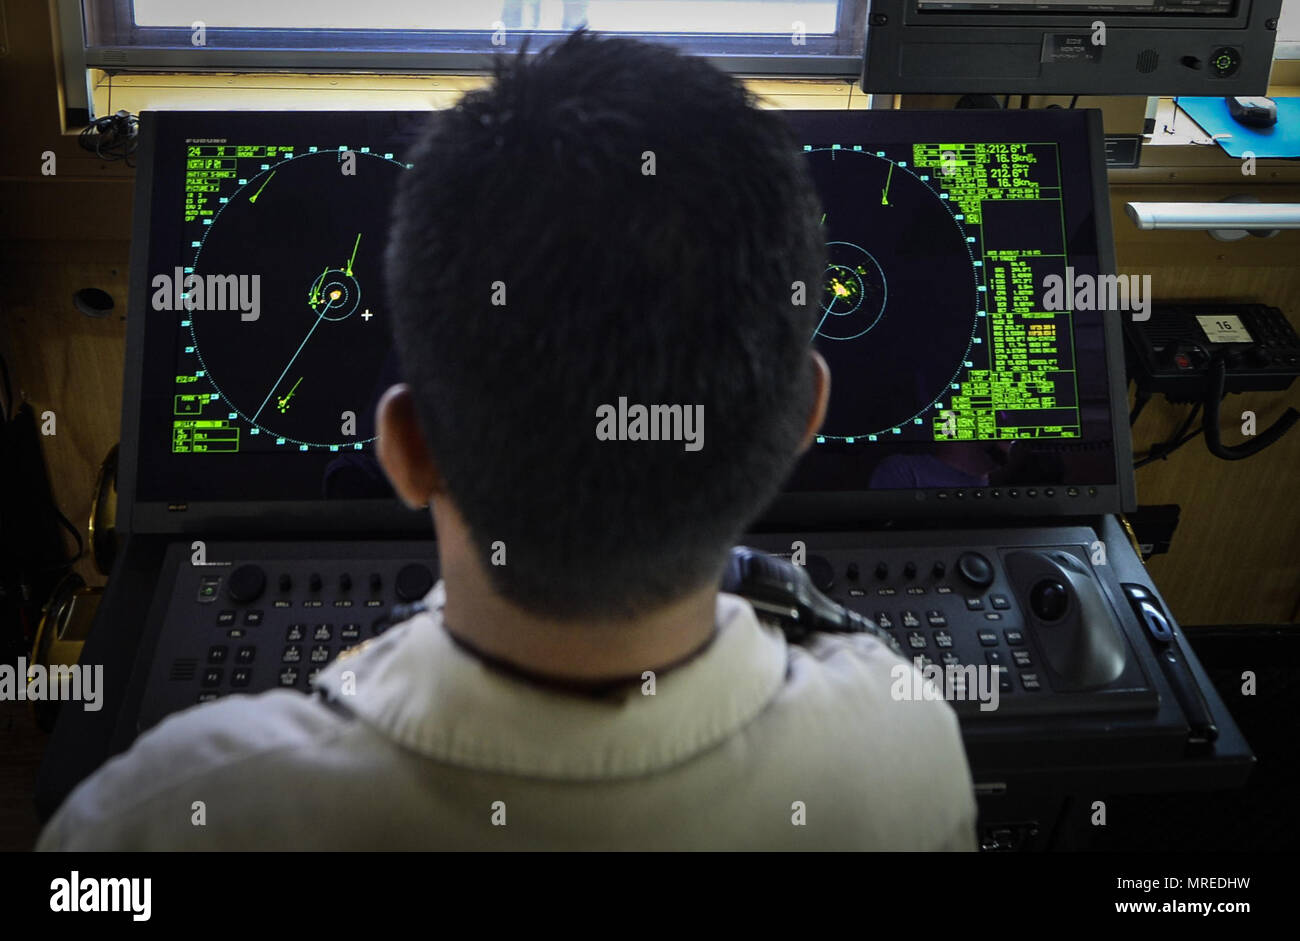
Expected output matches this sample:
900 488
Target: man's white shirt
412 742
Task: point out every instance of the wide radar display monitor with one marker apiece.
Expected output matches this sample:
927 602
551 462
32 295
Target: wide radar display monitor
960 383
264 343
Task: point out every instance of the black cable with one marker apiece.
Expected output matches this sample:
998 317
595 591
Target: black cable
1214 399
1143 397
6 406
1074 101
1167 449
114 137
1179 438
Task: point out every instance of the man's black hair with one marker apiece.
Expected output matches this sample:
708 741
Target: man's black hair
645 224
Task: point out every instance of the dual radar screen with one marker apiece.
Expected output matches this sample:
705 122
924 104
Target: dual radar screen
939 235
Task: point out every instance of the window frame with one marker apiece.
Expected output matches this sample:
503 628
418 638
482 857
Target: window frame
319 50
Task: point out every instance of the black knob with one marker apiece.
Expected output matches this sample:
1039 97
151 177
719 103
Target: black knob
345 582
939 570
376 582
821 572
413 582
246 583
975 569
1049 599
909 570
314 581
851 572
882 571
286 581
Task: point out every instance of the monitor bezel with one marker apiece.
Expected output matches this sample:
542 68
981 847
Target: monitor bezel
391 516
937 503
247 517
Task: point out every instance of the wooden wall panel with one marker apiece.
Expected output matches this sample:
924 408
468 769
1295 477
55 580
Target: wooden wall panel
1235 558
66 362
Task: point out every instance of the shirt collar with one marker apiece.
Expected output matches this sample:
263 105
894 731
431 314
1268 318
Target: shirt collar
415 685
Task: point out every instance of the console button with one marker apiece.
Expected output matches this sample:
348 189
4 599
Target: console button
253 618
208 588
225 618
1225 61
245 654
819 570
212 677
241 677
288 676
296 632
975 569
988 638
916 640
414 581
217 653
246 583
1030 682
1000 602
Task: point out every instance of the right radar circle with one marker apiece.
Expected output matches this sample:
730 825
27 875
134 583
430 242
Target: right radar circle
900 300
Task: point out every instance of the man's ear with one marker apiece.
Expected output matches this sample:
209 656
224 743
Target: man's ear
821 397
403 453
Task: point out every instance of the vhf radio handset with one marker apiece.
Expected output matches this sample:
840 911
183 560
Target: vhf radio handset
784 592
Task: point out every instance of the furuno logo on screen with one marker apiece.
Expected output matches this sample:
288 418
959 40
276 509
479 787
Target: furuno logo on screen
104 894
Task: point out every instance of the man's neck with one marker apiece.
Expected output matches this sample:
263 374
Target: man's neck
588 651
584 651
